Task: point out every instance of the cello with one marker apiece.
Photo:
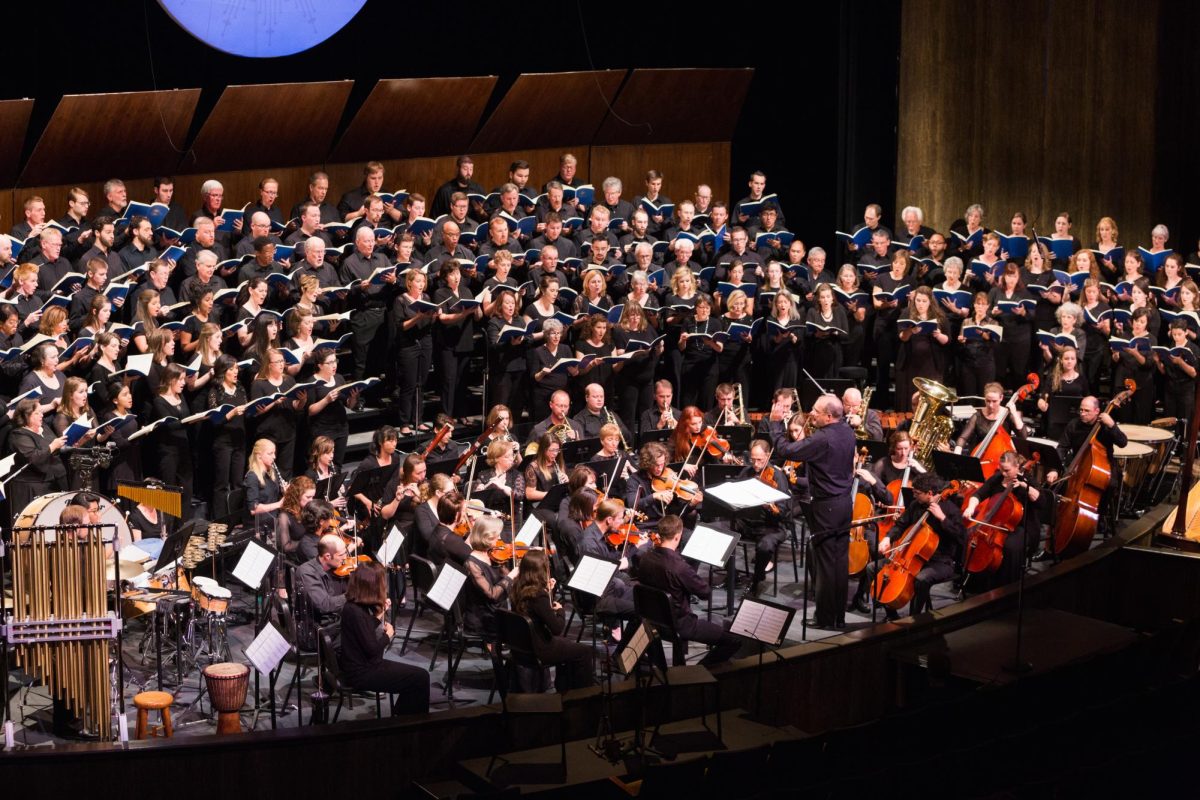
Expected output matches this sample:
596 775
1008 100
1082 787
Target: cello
860 548
896 581
995 520
1087 478
998 441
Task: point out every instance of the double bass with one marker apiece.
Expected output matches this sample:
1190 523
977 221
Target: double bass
896 581
1087 478
997 441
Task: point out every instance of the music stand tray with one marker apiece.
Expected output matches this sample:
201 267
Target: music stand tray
956 467
580 450
655 435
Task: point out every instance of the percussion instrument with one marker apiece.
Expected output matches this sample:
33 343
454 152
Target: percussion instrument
210 596
61 630
1134 460
1159 439
227 684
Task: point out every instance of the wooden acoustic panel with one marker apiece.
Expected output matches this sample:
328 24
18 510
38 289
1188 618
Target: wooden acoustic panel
415 117
549 110
684 165
676 105
269 125
98 136
14 123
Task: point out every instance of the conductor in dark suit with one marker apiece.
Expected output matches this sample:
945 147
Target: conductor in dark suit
828 455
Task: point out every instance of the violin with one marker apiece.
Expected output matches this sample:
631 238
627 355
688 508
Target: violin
471 511
707 441
629 534
771 476
668 481
506 552
896 581
353 558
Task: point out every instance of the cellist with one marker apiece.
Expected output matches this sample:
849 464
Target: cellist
947 522
1025 537
1110 436
981 422
873 483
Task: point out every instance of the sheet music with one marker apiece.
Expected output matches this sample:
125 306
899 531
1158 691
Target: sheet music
528 535
633 649
708 545
267 649
760 622
592 576
253 565
391 546
446 586
748 493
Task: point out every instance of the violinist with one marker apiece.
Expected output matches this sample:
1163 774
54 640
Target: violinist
579 513
445 544
654 503
425 520
692 442
946 521
533 597
487 584
289 529
581 476
663 415
982 420
828 455
1024 538
325 592
663 568
617 599
771 531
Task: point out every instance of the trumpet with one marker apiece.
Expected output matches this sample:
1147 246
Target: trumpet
666 419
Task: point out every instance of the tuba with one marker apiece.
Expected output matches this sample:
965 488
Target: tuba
930 429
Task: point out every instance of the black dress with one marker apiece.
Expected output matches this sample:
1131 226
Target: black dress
278 424
487 590
363 667
574 660
170 455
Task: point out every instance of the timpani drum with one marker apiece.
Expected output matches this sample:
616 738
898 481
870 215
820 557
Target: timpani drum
209 596
1158 439
227 684
1134 462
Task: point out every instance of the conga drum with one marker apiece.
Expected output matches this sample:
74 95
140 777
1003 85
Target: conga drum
227 684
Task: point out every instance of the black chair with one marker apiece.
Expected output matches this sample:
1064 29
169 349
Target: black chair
332 676
422 571
670 779
731 772
654 607
299 630
516 637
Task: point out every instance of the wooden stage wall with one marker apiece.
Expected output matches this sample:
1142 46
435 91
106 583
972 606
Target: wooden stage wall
1040 106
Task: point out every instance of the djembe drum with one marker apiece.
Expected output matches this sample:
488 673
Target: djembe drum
227 685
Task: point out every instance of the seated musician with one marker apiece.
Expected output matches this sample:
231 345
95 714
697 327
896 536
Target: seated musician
264 490
872 484
1024 539
533 597
655 503
689 442
1110 436
402 494
618 598
290 535
502 475
445 544
324 591
946 521
610 448
580 512
784 392
594 415
543 472
723 411
366 635
981 422
662 415
771 530
581 476
425 521
560 405
447 448
664 568
852 399
487 584
898 465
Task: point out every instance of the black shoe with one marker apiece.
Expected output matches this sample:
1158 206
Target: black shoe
859 604
891 615
821 626
1042 555
756 589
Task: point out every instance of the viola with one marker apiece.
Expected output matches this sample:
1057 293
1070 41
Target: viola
896 581
1078 512
471 511
707 441
629 535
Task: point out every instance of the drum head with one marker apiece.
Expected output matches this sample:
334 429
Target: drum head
1133 450
226 669
1144 433
47 510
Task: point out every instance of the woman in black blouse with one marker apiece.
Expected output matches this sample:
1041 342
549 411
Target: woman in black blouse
12 371
264 489
506 360
228 434
290 536
823 357
977 353
487 584
543 472
454 339
127 459
698 372
502 476
532 597
108 345
594 340
327 411
541 359
414 351
1012 355
38 450
172 449
425 519
278 422
364 640
921 355
44 376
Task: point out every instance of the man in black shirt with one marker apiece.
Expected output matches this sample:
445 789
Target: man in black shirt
268 194
618 597
769 529
164 192
318 190
828 454
314 264
458 214
592 417
325 592
260 225
351 205
560 406
552 234
52 267
617 208
663 568
158 275
140 248
206 239
103 235
461 183
81 301
79 239
662 415
32 226
369 302
212 195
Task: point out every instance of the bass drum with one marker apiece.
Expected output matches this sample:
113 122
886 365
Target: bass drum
47 511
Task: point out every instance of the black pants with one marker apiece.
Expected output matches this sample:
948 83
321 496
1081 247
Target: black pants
412 369
229 467
976 374
1012 361
508 388
574 662
886 341
829 530
1179 400
409 684
768 541
698 382
175 468
452 373
724 644
367 345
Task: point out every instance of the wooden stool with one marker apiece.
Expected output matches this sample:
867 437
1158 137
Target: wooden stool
153 701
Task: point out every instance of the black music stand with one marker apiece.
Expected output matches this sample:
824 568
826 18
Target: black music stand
578 451
766 624
327 488
1062 410
442 466
655 435
1047 455
371 482
553 498
738 436
875 450
955 467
